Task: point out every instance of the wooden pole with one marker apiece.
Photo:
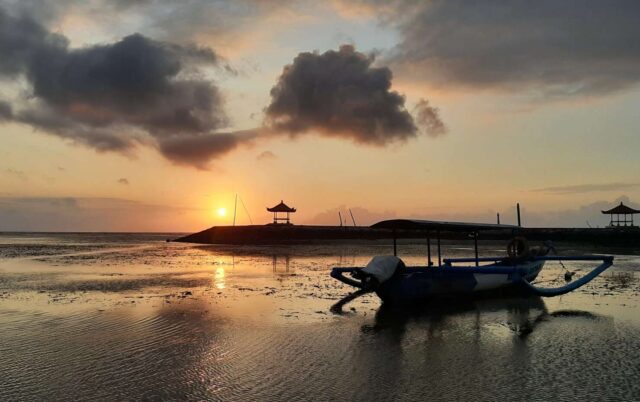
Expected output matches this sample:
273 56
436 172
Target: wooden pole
428 251
340 217
352 219
498 215
518 210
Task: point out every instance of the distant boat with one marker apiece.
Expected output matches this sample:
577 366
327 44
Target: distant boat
394 282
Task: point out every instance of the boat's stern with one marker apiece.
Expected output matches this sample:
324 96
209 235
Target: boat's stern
531 270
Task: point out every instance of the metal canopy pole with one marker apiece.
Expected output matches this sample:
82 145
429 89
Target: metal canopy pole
439 255
475 242
395 249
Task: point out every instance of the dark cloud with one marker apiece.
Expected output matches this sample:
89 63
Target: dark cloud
124 181
340 94
428 118
115 96
197 150
21 39
553 47
140 91
266 155
6 111
587 188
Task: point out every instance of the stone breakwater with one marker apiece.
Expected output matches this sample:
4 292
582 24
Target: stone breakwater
296 234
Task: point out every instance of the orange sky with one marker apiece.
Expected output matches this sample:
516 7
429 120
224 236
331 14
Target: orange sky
501 147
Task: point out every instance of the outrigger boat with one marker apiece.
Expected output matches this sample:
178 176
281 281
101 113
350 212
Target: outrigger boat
513 274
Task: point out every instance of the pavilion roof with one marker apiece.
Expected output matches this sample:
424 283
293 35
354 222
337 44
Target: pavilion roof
621 209
282 207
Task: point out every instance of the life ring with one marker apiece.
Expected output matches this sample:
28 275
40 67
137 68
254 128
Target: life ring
518 248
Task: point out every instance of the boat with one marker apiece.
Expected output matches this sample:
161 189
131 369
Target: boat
457 278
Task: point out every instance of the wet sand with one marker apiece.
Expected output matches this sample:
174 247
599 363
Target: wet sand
95 317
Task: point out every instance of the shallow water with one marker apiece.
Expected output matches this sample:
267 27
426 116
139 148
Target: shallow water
124 316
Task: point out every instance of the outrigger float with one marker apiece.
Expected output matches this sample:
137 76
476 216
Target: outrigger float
513 274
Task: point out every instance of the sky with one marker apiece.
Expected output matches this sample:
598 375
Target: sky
151 115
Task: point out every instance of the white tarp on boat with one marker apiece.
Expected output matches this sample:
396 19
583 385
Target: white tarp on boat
382 267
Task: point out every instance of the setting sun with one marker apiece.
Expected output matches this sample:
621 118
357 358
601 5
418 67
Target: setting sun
222 211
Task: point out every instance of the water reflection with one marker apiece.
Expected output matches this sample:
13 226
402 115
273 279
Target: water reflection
477 349
254 326
282 264
520 315
219 278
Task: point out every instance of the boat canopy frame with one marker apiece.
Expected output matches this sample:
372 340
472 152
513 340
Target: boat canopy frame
430 227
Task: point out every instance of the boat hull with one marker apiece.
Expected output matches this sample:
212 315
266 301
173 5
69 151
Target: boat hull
417 284
501 277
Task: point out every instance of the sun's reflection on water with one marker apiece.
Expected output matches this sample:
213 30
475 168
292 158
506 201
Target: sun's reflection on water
219 278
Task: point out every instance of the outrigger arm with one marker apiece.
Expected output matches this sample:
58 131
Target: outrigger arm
607 261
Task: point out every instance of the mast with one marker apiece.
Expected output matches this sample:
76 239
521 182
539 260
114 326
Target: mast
235 207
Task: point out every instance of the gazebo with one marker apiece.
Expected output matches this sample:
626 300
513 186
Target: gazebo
624 211
280 209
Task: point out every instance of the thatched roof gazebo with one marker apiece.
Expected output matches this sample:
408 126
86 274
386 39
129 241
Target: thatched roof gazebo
281 208
626 212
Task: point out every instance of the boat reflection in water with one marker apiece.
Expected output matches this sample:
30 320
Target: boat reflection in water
521 315
282 264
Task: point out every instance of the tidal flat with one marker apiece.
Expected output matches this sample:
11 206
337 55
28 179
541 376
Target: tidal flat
129 316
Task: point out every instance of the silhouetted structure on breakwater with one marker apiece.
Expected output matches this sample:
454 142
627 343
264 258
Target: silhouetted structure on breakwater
627 216
281 208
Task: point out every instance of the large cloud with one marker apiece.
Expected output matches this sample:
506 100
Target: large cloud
339 93
6 111
198 150
552 47
114 96
117 96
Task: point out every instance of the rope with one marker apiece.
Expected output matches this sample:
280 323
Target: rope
245 210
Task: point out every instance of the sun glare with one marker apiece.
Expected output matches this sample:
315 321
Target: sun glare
222 211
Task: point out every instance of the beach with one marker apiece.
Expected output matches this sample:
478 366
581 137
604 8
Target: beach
130 316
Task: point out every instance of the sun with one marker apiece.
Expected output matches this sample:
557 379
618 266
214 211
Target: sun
222 211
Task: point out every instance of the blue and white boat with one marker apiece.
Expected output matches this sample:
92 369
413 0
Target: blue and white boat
459 278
